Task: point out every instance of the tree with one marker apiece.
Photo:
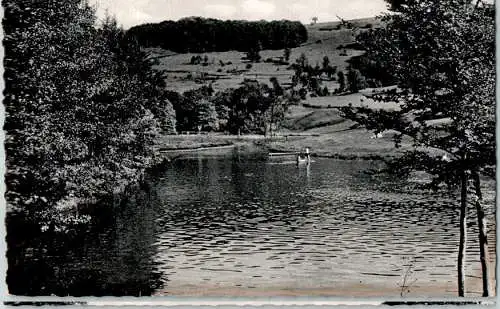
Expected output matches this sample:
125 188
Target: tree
286 54
302 61
249 108
314 20
326 63
83 105
341 80
278 106
277 89
186 106
442 54
355 80
206 116
253 54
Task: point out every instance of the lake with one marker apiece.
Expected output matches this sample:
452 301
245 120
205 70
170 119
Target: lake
234 223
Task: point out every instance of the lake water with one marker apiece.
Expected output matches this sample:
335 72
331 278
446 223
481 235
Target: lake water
234 223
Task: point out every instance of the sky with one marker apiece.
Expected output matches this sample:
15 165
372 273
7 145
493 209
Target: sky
134 12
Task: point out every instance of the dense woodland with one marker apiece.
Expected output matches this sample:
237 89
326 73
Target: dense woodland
83 107
196 35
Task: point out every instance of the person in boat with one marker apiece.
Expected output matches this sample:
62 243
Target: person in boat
304 157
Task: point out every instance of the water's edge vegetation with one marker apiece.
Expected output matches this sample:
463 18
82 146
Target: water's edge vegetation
85 110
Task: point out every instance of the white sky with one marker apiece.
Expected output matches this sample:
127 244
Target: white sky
134 12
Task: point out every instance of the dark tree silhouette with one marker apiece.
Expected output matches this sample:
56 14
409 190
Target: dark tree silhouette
196 34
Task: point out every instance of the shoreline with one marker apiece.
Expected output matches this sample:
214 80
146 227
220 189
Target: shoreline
320 145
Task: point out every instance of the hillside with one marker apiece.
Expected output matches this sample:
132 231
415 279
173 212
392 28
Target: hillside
228 69
313 116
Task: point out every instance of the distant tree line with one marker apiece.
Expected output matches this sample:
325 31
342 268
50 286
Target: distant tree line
196 34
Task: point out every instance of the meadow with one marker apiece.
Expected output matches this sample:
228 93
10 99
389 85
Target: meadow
316 121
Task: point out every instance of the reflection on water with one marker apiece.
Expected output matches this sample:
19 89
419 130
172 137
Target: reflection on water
241 221
251 223
110 257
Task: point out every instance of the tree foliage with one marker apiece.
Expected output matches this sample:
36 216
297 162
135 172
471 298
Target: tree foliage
82 104
356 81
442 55
196 34
341 81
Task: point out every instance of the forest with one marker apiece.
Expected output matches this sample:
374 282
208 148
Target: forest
83 107
196 35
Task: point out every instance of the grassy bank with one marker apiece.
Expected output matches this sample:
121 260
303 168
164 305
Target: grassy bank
343 144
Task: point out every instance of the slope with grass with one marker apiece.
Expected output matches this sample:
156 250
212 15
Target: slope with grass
228 69
315 122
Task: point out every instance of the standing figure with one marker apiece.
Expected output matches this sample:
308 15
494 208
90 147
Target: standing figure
304 157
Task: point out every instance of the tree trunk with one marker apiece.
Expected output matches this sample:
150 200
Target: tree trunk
483 238
463 235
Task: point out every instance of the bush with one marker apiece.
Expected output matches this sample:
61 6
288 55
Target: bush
286 54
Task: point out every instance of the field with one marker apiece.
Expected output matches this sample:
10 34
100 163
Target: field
316 121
